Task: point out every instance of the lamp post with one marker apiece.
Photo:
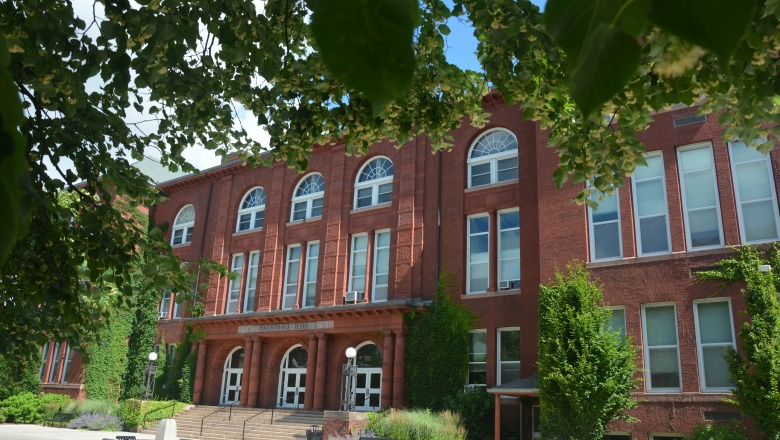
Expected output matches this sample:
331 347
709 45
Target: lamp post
151 372
348 375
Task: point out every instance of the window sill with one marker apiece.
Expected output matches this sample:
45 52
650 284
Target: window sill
491 186
662 257
304 221
180 245
370 208
247 232
490 294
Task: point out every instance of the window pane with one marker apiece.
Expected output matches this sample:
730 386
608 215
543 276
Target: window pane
654 168
654 235
385 193
650 198
364 197
753 181
507 169
244 222
299 211
510 345
714 322
480 174
697 159
716 368
607 209
479 277
383 239
759 219
617 321
478 247
661 326
510 372
699 190
704 227
606 240
259 216
316 207
510 244
477 346
742 153
479 224
509 220
664 368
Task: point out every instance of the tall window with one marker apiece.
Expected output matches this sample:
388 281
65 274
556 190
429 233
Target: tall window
291 281
509 249
701 208
477 357
170 354
478 267
605 239
493 158
381 266
165 304
177 306
755 193
44 356
55 364
308 199
651 212
251 282
183 226
508 355
252 210
357 269
375 183
662 354
234 286
312 264
714 332
66 365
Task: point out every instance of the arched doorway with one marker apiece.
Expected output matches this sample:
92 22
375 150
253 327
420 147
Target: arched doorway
292 378
231 377
368 382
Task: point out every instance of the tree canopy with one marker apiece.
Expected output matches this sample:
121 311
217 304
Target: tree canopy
163 75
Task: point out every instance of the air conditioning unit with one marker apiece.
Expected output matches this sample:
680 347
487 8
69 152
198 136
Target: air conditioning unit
352 297
508 284
162 315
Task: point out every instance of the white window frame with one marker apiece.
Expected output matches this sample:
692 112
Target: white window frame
647 348
699 345
492 159
376 268
44 358
685 209
187 228
637 218
66 365
286 297
253 212
591 227
308 199
251 286
177 306
499 260
353 257
623 309
373 184
311 268
469 290
234 286
468 373
738 198
54 363
499 361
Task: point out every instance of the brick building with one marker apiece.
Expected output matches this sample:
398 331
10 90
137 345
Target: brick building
335 257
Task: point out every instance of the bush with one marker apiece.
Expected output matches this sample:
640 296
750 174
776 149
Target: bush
28 408
476 409
732 431
96 422
133 411
92 406
417 425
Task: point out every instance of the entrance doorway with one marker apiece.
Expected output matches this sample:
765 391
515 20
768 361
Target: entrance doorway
231 377
368 381
292 378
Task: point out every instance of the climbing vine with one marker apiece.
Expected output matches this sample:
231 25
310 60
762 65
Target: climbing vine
435 370
106 359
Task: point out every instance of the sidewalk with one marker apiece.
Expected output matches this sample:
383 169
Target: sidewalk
36 432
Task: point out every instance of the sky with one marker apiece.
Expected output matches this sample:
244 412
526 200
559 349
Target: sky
461 51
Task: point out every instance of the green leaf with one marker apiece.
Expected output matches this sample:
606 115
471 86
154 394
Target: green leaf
772 7
573 22
716 25
612 59
367 44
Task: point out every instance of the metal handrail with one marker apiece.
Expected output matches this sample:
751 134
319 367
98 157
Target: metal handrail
243 430
219 410
172 405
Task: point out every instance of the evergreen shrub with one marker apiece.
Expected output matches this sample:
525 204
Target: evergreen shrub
477 409
710 431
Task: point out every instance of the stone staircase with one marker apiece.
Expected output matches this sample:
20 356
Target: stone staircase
288 424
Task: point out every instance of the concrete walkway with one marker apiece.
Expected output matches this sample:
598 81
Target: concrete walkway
36 432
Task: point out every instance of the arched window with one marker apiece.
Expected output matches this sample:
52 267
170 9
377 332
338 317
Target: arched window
375 183
183 226
231 377
307 200
252 210
493 158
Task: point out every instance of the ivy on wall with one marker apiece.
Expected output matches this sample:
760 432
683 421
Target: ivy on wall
106 360
178 377
437 349
15 378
